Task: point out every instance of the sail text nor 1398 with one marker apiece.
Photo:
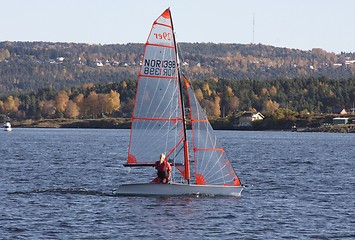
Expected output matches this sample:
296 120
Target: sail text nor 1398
157 67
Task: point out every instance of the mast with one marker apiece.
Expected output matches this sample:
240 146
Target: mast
186 150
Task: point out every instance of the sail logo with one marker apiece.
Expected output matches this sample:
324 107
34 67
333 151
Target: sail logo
163 68
165 35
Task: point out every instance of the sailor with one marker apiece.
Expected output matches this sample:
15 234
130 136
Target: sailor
164 169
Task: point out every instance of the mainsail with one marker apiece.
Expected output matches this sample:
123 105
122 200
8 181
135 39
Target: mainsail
157 121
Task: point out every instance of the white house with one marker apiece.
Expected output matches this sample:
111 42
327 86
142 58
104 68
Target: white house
246 119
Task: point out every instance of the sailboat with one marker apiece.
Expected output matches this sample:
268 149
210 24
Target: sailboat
159 126
7 126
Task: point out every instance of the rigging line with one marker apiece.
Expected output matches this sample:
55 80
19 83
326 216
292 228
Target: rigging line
186 72
172 111
182 147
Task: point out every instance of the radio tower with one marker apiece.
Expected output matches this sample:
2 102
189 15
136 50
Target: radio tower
253 26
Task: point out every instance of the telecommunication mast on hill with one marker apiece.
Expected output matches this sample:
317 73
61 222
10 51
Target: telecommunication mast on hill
253 27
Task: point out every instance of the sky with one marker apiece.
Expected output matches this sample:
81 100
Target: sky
298 24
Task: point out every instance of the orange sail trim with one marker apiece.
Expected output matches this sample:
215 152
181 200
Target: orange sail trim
200 179
161 24
236 181
157 119
159 45
187 161
131 159
186 82
166 14
227 163
158 77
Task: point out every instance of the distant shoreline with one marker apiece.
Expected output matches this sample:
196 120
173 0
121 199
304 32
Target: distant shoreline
125 123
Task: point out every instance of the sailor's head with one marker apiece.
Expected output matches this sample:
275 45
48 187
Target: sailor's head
162 157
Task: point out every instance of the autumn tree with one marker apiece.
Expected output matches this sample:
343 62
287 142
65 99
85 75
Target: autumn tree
61 101
92 104
101 103
48 108
71 110
273 91
270 106
199 94
4 54
124 84
11 105
79 101
206 89
112 102
216 110
87 86
264 91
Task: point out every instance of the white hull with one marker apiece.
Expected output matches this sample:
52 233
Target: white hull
7 127
177 189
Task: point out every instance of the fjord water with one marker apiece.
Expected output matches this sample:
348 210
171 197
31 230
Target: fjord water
59 184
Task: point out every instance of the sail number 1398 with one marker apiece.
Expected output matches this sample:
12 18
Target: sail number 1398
157 67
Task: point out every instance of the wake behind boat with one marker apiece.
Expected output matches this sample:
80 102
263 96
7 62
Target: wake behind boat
159 126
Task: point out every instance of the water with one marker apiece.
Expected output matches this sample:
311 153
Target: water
57 184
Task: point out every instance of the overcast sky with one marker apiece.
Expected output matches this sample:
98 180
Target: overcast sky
300 24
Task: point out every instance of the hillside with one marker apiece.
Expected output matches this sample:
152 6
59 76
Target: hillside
30 66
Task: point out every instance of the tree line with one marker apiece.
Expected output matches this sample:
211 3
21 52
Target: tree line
218 97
